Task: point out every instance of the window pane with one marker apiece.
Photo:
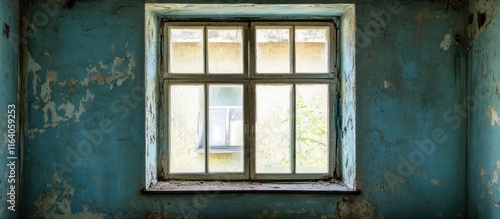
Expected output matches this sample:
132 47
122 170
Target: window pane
225 50
273 50
186 133
311 49
225 128
272 131
311 107
186 50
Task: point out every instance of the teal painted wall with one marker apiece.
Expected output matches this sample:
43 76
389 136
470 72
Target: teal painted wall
484 123
84 151
9 63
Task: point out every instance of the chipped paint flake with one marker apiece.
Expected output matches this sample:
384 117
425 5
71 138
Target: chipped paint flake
493 115
387 85
445 44
102 65
495 177
434 182
32 65
483 171
46 90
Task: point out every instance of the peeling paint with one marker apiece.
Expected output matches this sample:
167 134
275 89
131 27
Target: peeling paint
445 44
350 208
387 85
434 182
53 204
495 204
495 177
54 112
493 115
480 15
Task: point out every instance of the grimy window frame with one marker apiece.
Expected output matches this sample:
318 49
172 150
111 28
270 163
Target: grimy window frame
249 78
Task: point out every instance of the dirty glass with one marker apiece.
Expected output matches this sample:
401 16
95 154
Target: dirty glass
225 50
273 50
311 128
272 131
311 49
186 136
185 52
225 128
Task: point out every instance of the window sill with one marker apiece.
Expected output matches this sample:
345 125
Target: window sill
190 187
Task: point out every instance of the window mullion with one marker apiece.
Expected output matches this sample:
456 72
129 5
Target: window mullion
292 129
206 127
205 71
292 49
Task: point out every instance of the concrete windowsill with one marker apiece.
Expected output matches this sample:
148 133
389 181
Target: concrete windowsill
187 187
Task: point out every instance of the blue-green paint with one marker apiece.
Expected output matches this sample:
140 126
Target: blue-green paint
484 93
405 83
9 64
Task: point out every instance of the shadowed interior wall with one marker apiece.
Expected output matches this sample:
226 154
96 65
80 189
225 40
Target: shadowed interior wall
84 153
9 64
484 123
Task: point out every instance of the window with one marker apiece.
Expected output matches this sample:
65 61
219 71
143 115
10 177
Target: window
249 100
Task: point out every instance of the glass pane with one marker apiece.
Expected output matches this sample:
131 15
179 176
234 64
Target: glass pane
272 131
311 126
225 50
273 50
311 49
186 129
186 50
225 128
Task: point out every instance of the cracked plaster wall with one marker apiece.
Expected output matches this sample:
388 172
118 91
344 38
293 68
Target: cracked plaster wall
84 153
484 122
9 64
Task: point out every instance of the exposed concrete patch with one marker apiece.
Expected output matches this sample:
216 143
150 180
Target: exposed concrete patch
493 115
268 215
434 182
388 85
445 44
350 208
54 112
495 204
423 15
53 204
480 15
483 171
495 177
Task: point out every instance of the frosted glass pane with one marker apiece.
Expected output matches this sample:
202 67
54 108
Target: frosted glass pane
225 128
272 131
273 50
186 129
311 49
186 50
311 137
225 50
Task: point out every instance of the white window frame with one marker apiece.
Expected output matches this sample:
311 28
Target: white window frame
155 12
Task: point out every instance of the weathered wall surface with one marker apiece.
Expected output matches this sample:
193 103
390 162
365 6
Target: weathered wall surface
84 153
9 63
484 124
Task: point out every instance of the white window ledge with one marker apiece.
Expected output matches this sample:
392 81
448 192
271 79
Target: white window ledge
180 186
